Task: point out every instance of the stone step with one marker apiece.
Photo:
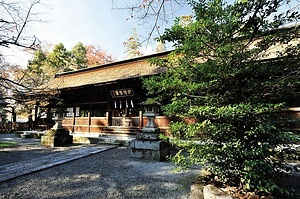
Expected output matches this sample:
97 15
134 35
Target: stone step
30 134
121 130
114 139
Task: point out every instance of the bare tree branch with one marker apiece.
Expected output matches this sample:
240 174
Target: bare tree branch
152 14
14 18
26 19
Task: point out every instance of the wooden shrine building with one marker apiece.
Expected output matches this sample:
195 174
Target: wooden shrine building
107 98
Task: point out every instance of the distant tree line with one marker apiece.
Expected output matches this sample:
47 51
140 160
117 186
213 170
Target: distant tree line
45 64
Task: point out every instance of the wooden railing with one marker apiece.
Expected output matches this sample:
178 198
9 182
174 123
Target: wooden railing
101 124
85 124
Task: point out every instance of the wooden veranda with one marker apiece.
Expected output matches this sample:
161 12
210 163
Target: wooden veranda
113 125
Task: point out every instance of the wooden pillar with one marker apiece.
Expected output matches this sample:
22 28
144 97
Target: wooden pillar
36 108
73 122
109 114
141 119
109 118
89 122
49 119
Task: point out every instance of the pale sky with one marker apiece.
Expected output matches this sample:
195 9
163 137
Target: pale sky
92 22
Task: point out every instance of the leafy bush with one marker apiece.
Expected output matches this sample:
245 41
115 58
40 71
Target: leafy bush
220 75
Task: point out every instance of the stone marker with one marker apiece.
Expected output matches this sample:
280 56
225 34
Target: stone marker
147 144
57 135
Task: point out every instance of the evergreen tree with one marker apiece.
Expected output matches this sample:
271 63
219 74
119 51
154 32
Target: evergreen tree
36 74
234 69
79 56
44 65
59 59
133 46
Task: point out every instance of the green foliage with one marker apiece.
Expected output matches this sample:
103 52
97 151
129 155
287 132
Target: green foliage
45 65
7 144
79 56
226 76
59 58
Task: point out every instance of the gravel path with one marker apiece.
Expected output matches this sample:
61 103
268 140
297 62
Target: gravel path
109 174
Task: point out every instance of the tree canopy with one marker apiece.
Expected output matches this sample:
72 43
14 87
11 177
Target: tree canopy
15 18
23 84
97 56
45 65
235 67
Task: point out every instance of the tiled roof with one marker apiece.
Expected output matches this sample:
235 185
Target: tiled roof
106 73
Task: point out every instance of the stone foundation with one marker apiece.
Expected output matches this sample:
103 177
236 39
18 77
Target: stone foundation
147 145
149 149
53 141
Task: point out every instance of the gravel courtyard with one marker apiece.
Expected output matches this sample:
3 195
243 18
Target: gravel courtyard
109 174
